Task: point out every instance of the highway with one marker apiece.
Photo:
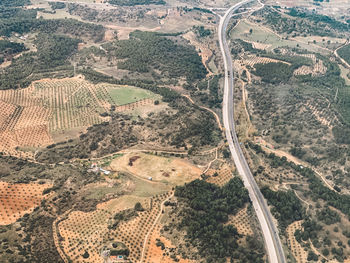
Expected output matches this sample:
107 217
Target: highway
269 230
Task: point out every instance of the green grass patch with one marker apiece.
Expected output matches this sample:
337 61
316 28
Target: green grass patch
124 95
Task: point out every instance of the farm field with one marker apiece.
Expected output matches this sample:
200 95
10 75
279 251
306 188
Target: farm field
82 232
263 36
219 177
31 117
17 200
252 60
317 69
172 171
133 233
242 221
87 231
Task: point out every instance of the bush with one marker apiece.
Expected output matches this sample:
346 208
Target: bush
86 255
138 207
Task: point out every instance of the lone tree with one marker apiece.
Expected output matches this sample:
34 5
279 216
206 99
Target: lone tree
86 255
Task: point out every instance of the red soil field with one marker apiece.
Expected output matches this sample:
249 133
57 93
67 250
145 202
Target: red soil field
19 199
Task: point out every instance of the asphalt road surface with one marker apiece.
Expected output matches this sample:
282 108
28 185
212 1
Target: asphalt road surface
269 230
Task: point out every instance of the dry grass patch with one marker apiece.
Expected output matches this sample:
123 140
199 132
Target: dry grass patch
19 199
170 170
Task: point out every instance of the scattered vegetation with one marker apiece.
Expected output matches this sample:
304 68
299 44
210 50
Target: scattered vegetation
14 3
201 31
296 22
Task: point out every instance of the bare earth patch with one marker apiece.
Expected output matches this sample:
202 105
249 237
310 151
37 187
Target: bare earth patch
156 168
17 200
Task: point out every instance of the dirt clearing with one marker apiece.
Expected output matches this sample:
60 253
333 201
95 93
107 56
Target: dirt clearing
155 168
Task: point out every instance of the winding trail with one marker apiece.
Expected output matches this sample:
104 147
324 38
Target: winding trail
297 161
205 108
341 59
153 226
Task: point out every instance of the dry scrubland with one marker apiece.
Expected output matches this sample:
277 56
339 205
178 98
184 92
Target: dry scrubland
29 117
293 109
17 200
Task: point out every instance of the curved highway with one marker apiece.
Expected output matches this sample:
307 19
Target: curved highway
270 232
